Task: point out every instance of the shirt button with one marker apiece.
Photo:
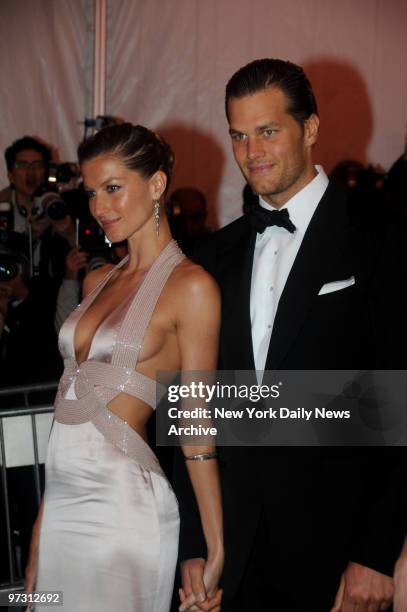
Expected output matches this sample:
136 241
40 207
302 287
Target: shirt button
268 326
271 288
275 252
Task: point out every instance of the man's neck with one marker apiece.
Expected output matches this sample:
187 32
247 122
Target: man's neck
22 199
279 200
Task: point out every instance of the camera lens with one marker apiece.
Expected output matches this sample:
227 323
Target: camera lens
8 270
56 209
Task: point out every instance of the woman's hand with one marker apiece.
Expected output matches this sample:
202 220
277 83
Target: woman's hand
31 570
200 580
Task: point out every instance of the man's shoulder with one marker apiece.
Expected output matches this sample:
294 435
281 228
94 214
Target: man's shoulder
214 247
231 232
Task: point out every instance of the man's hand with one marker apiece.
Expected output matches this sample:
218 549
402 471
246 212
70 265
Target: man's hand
363 590
200 585
39 226
75 261
65 227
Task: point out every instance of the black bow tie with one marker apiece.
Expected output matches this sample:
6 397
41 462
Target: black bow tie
260 218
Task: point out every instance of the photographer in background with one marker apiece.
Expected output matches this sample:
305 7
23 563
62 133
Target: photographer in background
26 320
27 162
78 263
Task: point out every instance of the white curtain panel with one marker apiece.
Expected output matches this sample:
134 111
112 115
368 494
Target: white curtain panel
44 71
169 61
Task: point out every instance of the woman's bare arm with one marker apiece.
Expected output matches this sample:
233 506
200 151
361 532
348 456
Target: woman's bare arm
198 335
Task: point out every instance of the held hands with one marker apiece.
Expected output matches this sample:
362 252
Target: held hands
200 580
363 589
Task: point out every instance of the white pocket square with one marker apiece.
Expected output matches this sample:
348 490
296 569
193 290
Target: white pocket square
336 285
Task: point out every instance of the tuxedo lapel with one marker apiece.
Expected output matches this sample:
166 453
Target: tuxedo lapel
237 263
319 258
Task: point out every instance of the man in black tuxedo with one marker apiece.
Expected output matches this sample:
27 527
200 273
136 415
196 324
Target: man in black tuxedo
306 285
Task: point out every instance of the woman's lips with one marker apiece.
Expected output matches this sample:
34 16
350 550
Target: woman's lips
108 224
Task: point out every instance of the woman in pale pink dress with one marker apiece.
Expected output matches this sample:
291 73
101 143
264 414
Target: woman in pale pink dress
107 531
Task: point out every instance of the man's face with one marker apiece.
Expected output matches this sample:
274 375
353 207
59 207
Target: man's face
28 172
272 149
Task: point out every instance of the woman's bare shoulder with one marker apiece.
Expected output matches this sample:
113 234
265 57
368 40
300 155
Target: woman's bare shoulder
193 279
95 277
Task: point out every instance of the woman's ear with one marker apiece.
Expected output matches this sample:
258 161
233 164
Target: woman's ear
158 183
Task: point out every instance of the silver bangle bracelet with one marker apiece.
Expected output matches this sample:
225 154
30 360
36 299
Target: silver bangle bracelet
201 457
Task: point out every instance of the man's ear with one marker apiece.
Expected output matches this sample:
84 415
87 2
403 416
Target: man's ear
158 183
311 128
10 177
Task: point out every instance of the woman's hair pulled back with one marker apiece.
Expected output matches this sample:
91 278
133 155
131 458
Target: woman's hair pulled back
137 147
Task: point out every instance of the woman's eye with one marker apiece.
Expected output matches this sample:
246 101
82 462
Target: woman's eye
112 188
90 194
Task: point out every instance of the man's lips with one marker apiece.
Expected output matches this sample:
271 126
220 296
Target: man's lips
260 168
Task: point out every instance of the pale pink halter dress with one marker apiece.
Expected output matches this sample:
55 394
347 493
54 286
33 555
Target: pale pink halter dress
109 532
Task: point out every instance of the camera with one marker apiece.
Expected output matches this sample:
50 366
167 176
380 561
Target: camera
13 260
91 238
51 199
48 202
12 263
6 216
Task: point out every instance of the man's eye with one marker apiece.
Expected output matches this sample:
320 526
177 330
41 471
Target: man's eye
112 188
237 137
269 132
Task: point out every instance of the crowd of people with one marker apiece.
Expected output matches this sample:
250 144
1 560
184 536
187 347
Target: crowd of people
309 278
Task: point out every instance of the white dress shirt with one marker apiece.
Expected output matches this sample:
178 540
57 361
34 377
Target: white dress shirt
274 254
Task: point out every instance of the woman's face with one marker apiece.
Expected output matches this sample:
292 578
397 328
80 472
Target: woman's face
120 200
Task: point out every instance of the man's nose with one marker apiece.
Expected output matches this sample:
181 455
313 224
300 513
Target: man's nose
255 148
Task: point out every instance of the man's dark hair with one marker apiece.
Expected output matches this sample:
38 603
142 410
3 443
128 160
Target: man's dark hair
285 75
22 144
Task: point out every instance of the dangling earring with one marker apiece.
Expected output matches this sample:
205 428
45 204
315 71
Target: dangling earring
156 212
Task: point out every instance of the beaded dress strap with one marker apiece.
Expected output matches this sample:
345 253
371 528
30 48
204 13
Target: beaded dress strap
87 301
138 316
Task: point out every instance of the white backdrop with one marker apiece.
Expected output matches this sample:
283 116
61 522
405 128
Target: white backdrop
45 55
169 60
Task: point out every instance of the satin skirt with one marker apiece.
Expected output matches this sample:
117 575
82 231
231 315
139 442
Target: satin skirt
109 534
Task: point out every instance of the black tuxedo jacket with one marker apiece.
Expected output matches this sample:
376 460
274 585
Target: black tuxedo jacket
324 506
